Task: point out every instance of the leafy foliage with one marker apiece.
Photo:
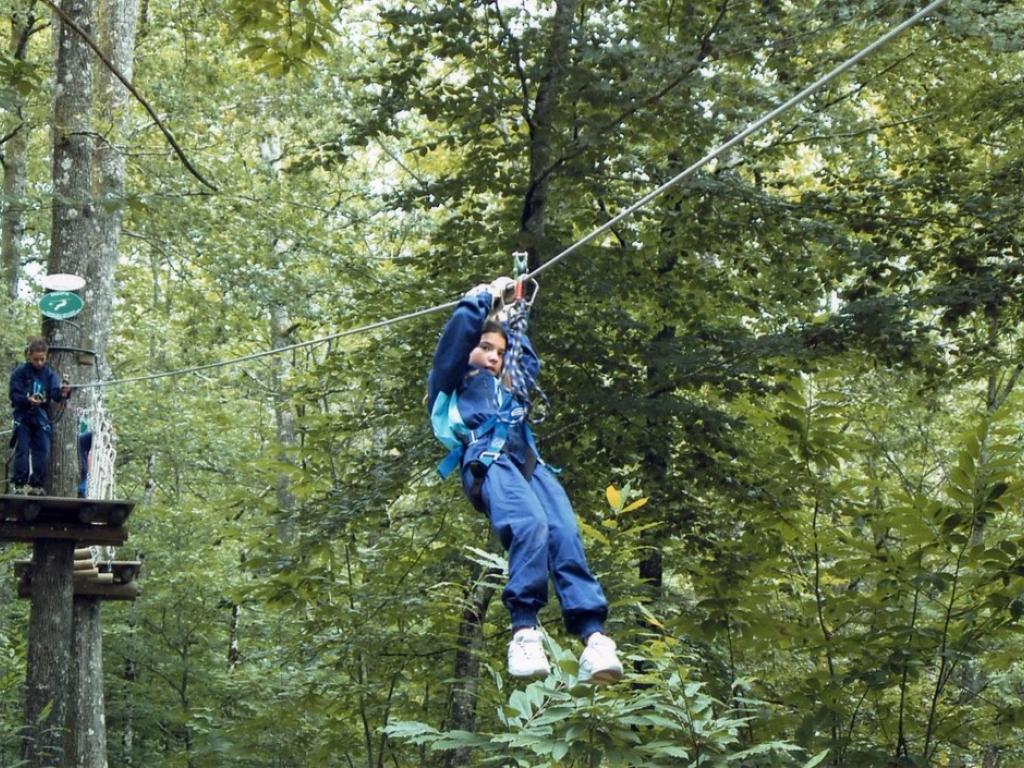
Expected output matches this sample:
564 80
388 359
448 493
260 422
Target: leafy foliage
784 394
664 719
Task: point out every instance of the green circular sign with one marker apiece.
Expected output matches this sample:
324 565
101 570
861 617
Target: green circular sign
60 305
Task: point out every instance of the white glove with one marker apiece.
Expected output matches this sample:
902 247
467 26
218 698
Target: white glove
482 288
505 288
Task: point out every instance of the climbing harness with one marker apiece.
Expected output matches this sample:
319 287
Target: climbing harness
452 432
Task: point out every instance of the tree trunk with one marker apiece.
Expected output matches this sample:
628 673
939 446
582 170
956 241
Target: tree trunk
73 228
49 654
655 471
15 158
131 676
87 723
15 155
462 715
130 669
117 40
284 417
542 132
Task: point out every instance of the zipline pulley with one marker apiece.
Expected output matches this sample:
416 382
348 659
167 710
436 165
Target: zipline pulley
524 290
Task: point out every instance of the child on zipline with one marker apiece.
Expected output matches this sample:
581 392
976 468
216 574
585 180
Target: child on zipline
504 477
33 385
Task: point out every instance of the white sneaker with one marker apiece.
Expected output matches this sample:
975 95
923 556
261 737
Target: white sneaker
19 490
599 663
526 657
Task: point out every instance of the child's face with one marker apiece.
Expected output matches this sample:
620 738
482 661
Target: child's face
489 353
37 359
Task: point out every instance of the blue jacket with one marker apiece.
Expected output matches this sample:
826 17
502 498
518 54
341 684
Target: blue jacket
25 381
481 394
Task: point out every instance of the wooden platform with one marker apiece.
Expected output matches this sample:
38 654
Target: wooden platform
110 581
88 521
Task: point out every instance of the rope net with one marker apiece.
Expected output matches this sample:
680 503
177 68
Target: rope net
96 433
100 459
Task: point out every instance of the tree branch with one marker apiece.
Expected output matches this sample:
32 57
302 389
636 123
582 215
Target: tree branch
29 29
518 61
703 52
12 134
1004 392
141 99
844 97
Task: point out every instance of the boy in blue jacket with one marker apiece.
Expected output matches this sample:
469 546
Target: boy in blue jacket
33 385
504 477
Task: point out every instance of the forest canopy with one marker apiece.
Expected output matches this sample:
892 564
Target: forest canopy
783 394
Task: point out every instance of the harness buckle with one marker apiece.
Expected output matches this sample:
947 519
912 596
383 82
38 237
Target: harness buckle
488 457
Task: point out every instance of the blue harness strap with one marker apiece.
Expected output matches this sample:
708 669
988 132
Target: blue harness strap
499 434
453 460
450 462
454 433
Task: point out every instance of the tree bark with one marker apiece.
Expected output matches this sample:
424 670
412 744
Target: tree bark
46 741
285 419
462 715
49 654
130 669
87 722
13 227
15 161
543 131
130 672
117 41
74 227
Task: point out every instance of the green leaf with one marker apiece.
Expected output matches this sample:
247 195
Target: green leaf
614 498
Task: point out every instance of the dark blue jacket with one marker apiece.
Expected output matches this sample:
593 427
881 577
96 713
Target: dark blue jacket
480 393
26 380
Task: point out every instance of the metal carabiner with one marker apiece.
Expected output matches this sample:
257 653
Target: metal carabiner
519 263
520 268
527 297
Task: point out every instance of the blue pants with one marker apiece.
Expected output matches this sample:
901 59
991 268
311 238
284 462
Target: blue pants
35 438
537 526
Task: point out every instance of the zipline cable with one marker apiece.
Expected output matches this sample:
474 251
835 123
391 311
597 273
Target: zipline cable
753 127
269 352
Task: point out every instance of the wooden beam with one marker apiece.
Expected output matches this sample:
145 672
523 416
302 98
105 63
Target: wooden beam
84 534
116 572
124 571
63 510
116 580
92 589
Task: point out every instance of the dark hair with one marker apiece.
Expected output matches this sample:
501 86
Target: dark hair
36 345
493 326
